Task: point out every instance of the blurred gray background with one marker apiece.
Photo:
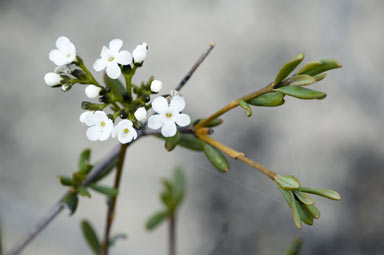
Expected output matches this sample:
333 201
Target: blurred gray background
335 143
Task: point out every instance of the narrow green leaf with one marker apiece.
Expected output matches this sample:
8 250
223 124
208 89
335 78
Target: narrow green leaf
305 216
109 191
269 99
84 159
167 199
288 182
190 141
156 219
115 85
320 77
301 80
285 195
322 192
83 191
178 184
70 200
304 198
115 238
216 158
90 236
294 247
213 123
308 67
246 107
312 209
78 177
295 211
302 93
65 180
288 67
326 65
171 142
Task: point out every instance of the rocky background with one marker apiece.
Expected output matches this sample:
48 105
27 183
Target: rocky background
335 143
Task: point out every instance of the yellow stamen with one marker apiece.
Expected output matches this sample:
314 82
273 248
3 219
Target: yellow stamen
168 114
110 59
102 123
126 130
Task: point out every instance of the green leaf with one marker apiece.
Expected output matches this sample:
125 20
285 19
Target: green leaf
70 200
115 85
107 170
305 216
294 247
109 191
213 123
84 159
156 219
304 198
301 80
217 158
308 67
295 211
90 236
302 93
288 182
171 142
65 180
312 209
322 192
83 191
246 107
190 141
178 185
288 67
269 99
78 177
115 238
319 77
325 65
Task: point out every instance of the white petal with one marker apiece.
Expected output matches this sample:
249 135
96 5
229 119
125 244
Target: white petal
104 51
156 85
113 71
93 133
115 45
92 91
126 123
140 114
57 57
177 104
139 53
62 43
86 118
101 115
99 64
182 120
169 129
155 121
116 130
52 79
125 138
134 133
124 57
160 104
104 135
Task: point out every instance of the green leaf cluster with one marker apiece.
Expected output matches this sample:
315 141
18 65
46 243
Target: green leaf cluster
302 205
171 197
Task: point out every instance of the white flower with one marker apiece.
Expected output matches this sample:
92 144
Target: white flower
156 85
110 58
140 53
92 91
140 114
124 131
52 79
65 52
100 126
168 115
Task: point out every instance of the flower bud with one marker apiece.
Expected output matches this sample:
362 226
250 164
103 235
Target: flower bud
65 87
92 91
123 114
156 86
146 98
52 79
140 114
140 53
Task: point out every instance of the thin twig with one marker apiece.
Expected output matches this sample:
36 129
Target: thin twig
172 235
97 169
195 66
112 202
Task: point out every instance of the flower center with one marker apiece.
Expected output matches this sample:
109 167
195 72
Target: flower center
110 59
102 123
68 55
126 130
168 114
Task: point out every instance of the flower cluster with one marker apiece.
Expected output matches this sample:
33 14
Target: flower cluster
131 110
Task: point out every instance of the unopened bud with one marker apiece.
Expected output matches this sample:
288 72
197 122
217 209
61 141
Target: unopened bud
52 79
65 87
156 86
